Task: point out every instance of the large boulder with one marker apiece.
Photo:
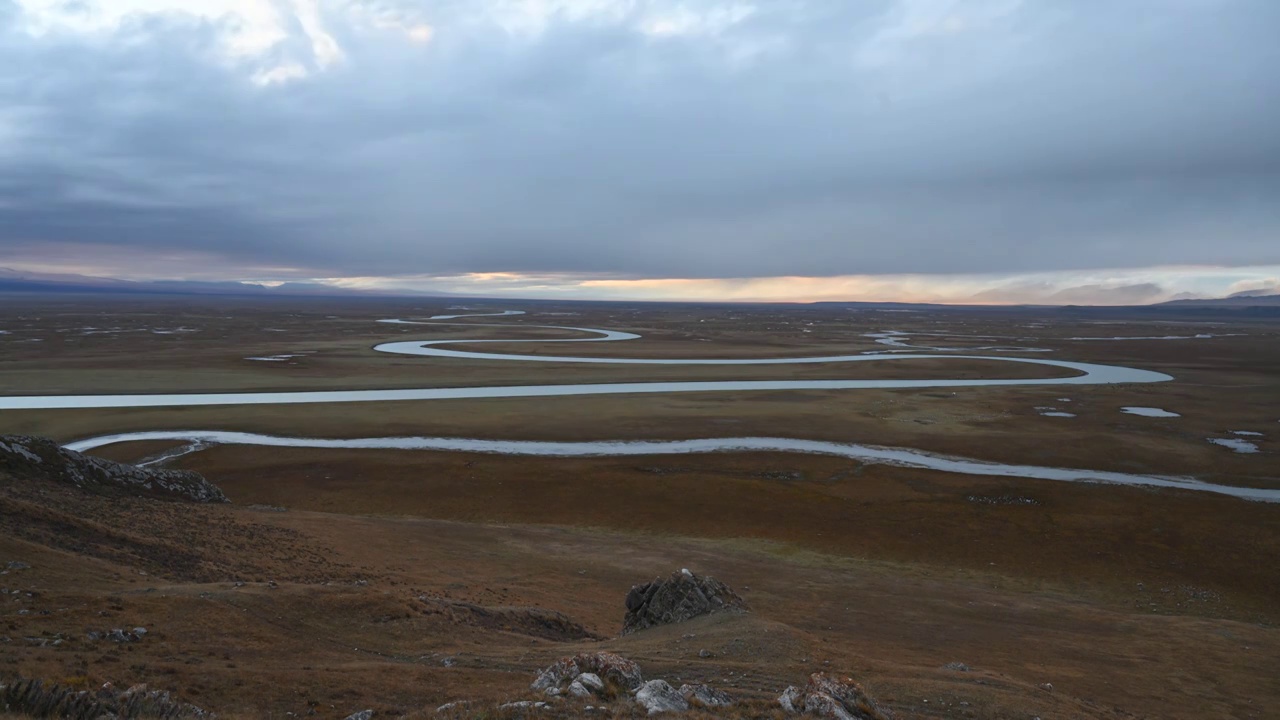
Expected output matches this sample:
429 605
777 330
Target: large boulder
657 696
36 458
675 599
595 669
829 697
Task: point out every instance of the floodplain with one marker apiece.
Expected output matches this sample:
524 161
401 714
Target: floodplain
1128 600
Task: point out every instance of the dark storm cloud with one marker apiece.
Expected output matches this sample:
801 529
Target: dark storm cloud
816 137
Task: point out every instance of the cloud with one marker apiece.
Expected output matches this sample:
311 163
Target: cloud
1255 287
641 140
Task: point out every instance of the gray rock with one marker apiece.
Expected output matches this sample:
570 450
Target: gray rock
680 597
828 697
16 565
791 699
657 696
455 704
362 715
41 459
591 681
552 691
121 636
576 689
825 706
705 696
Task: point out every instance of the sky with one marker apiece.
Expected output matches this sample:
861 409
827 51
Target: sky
994 151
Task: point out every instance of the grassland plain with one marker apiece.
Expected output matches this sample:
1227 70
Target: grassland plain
1130 601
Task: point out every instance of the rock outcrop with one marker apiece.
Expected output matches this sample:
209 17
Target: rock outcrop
39 699
678 598
829 697
532 621
589 669
36 458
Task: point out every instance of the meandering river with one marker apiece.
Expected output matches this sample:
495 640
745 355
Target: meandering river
1088 374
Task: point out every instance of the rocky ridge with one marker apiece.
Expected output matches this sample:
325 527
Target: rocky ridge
25 456
41 699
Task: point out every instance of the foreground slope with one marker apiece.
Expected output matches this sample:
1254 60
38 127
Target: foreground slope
254 610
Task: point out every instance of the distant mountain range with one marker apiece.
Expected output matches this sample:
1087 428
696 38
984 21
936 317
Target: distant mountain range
1237 301
1241 306
19 281
1244 299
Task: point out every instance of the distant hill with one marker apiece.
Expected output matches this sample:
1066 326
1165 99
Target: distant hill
1239 300
29 282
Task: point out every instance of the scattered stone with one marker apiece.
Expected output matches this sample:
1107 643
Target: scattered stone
705 696
552 691
680 597
523 705
14 565
705 654
657 696
1047 687
828 697
362 715
1002 500
118 635
604 665
449 662
957 666
452 705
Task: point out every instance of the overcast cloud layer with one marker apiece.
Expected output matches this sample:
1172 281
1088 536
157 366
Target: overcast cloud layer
600 140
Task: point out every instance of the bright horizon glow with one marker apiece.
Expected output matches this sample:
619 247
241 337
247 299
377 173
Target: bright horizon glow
1132 286
1135 286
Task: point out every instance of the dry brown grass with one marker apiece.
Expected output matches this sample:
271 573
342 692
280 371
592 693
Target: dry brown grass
1131 602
